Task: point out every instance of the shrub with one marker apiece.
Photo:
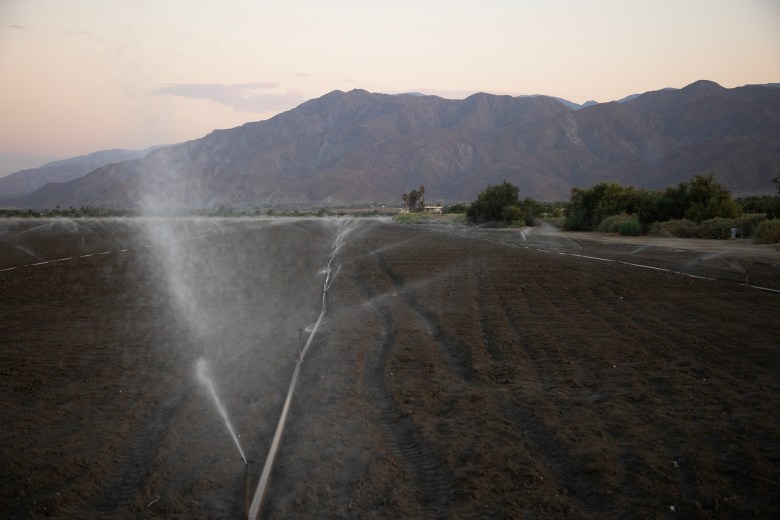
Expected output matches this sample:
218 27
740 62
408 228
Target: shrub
630 227
767 232
408 218
720 228
456 208
656 230
612 223
716 228
680 228
748 222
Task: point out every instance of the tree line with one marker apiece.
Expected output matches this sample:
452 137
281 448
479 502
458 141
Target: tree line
699 207
697 200
71 212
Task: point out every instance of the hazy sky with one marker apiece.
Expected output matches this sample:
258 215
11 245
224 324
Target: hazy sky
78 76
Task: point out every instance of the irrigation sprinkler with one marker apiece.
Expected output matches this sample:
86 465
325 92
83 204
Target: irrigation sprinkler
576 245
739 268
265 476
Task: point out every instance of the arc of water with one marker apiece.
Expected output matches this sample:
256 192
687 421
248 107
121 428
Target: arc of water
328 284
206 381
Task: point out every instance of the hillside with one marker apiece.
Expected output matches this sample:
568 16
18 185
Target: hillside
25 182
357 147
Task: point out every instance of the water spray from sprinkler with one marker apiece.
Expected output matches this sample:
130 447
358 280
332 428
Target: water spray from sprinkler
205 380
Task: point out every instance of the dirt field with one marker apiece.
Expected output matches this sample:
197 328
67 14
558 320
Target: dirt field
459 373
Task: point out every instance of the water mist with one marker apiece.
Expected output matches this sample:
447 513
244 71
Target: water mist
205 380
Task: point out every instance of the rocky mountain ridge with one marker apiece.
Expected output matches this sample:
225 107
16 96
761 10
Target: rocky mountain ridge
351 147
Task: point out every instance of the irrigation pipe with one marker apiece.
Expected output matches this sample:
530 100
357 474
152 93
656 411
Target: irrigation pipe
265 476
262 486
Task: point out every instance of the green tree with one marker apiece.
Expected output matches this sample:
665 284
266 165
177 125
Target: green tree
588 207
496 203
532 209
708 199
662 205
699 199
767 204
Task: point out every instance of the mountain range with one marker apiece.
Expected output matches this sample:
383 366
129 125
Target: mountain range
353 147
28 180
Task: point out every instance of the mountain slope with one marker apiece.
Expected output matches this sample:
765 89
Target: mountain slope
27 181
357 146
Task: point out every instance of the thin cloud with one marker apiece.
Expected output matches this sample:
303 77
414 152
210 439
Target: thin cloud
73 32
257 85
243 97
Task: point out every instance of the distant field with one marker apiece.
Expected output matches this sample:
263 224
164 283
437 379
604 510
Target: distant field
458 372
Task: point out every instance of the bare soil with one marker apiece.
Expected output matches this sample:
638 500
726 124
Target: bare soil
460 373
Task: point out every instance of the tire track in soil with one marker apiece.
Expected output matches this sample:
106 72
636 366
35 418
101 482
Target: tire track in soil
455 353
542 439
594 469
419 459
502 371
130 470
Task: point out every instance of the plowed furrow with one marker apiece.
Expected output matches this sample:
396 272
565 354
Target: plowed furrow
456 353
431 477
130 470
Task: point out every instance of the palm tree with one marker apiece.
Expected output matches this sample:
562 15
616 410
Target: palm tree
414 198
422 195
405 197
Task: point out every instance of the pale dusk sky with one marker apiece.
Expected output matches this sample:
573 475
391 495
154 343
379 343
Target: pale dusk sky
78 76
